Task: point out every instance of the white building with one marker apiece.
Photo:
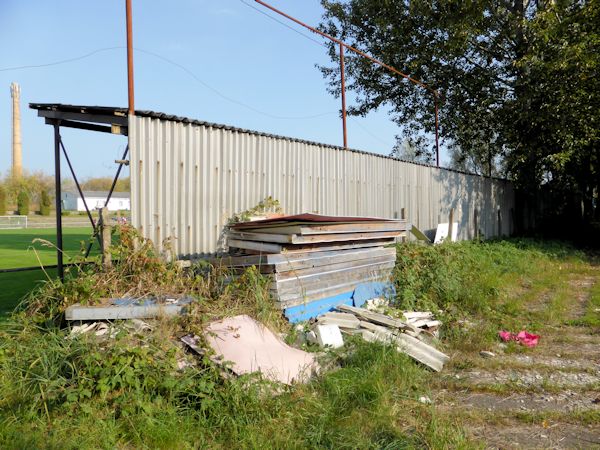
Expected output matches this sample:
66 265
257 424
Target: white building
72 201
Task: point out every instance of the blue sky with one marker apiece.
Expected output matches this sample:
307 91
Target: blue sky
229 47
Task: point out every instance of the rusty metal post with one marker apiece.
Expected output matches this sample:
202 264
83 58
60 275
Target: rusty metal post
437 134
342 71
129 56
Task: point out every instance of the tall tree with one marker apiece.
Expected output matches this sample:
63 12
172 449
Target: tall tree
518 80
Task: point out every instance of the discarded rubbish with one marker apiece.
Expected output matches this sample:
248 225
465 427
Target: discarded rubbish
329 335
97 328
128 308
251 347
523 337
486 354
318 262
377 327
425 400
441 234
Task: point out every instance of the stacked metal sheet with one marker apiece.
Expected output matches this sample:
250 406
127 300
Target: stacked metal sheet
318 262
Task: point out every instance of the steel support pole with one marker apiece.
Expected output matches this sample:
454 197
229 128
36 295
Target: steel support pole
437 133
87 210
342 71
129 56
59 235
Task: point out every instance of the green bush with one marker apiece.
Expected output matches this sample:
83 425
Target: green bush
23 203
2 201
467 277
44 203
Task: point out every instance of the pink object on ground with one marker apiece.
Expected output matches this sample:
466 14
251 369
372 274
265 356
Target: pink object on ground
506 336
523 337
252 347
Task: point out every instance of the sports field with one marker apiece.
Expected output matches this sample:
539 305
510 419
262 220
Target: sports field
18 250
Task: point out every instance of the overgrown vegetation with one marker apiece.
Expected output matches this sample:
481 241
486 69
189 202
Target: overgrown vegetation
2 200
486 284
23 203
517 87
44 203
87 392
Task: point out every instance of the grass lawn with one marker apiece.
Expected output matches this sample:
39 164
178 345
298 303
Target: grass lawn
16 248
16 284
129 392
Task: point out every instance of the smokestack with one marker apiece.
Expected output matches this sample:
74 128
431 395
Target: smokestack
17 151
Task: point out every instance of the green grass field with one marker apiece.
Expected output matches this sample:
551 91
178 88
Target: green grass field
17 250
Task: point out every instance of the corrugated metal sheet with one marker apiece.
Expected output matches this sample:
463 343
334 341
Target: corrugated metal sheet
188 178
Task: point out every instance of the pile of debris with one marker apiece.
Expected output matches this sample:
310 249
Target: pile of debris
412 336
317 262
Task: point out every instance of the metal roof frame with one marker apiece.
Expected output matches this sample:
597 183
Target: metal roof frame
83 118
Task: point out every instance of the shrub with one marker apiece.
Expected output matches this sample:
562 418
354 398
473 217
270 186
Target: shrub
23 203
2 201
44 203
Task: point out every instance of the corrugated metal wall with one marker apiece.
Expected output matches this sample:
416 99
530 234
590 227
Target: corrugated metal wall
187 179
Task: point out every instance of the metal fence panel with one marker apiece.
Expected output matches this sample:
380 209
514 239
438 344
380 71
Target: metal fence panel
188 179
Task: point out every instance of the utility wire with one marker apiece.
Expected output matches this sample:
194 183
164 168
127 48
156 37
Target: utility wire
283 23
180 66
63 61
373 135
232 100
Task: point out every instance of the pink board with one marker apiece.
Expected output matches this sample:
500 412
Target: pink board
252 347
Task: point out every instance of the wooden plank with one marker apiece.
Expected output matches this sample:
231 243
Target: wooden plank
311 239
328 278
332 291
287 262
291 248
377 318
322 279
416 349
303 273
257 246
419 234
356 227
323 291
105 233
260 237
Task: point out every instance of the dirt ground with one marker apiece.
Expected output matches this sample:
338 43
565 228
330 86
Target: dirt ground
543 397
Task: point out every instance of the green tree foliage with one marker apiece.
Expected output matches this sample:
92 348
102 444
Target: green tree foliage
517 80
32 183
104 184
557 133
2 200
23 203
44 203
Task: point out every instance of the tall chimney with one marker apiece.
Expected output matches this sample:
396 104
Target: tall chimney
17 151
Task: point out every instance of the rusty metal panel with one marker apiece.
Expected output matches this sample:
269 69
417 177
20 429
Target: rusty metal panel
189 178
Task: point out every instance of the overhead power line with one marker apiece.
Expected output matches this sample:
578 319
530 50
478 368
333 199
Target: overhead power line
283 23
176 64
62 61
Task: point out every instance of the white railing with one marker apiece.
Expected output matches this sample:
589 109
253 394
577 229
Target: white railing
13 222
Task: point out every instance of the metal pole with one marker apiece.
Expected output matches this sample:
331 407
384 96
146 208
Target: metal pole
129 56
349 47
437 134
89 214
112 188
59 235
342 71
